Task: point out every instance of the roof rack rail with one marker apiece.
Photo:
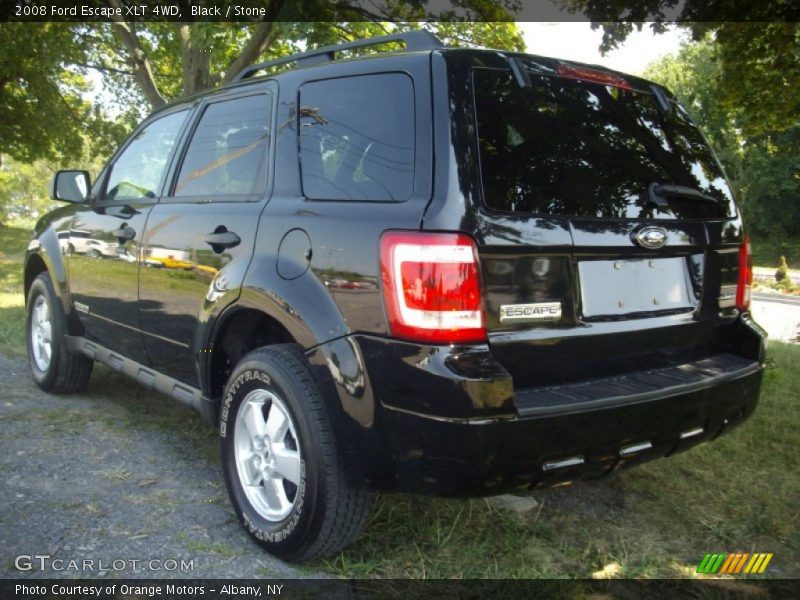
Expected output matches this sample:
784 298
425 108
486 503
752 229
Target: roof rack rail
414 40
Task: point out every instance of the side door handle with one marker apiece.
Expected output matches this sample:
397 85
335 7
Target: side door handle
221 238
125 232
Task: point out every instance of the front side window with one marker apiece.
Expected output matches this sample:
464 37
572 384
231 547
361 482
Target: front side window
138 171
227 154
357 138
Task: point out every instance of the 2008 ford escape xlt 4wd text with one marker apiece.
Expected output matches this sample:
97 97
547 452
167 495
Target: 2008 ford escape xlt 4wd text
436 270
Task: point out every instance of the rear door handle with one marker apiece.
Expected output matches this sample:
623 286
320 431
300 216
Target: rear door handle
222 239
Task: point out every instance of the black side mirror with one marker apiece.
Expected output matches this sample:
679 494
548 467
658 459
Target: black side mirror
70 186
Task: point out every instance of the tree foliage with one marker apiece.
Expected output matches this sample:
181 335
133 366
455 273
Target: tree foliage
757 43
22 189
169 60
48 72
764 167
43 108
47 69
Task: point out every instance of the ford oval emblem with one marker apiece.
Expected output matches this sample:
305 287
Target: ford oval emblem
651 238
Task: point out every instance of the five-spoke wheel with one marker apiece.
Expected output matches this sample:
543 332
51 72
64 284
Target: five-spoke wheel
282 459
267 454
41 333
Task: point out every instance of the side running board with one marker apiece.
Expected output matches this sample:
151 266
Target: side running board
146 376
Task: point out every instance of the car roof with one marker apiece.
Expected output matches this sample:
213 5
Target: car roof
322 66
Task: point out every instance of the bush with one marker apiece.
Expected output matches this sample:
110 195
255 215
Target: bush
783 270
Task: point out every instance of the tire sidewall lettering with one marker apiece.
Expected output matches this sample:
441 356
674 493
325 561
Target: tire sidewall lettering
233 389
287 528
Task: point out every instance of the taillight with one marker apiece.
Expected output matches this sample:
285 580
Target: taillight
592 75
432 287
745 283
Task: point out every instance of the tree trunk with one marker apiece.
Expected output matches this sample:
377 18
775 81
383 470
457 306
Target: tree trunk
196 60
137 58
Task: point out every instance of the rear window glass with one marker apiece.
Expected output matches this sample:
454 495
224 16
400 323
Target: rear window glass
573 148
357 138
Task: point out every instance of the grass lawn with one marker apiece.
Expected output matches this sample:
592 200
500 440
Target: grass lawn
740 493
13 241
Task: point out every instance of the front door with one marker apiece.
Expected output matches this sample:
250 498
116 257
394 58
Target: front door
200 236
105 240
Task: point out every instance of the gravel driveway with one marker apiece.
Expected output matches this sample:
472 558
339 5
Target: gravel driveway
115 474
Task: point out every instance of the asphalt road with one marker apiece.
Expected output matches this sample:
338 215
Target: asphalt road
113 475
779 315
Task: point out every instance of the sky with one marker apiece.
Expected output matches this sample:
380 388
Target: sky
578 42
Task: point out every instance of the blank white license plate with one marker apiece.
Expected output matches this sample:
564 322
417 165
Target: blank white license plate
620 287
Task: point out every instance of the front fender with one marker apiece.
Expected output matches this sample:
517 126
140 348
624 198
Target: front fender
45 245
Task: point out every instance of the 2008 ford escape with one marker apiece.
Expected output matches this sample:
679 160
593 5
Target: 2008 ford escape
438 270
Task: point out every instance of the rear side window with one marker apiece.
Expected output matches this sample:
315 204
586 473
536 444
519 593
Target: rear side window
357 138
227 153
574 148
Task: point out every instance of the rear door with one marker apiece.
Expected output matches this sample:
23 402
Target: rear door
598 194
200 237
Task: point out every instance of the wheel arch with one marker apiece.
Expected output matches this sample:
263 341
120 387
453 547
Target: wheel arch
336 365
34 266
237 331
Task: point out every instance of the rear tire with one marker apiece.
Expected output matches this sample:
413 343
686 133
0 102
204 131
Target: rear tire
275 428
55 369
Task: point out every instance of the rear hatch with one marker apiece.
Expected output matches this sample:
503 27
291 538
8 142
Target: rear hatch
608 237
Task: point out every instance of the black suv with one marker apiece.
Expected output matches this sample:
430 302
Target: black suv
436 270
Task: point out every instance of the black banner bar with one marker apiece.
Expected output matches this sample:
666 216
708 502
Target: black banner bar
253 11
182 589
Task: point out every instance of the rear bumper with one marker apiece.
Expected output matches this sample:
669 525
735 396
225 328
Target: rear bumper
447 457
447 420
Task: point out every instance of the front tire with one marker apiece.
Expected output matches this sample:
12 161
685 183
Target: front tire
279 453
54 368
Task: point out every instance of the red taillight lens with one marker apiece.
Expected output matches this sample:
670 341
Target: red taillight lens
432 287
584 74
744 286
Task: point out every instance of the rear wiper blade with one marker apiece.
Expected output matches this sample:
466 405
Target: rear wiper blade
518 70
659 192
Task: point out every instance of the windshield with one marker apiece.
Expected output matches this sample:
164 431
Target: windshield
574 148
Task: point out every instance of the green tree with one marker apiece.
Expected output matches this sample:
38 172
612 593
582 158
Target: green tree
694 75
771 185
758 48
46 73
764 167
169 60
45 110
46 68
23 189
41 106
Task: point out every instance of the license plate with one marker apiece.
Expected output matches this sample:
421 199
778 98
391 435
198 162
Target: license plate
620 287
